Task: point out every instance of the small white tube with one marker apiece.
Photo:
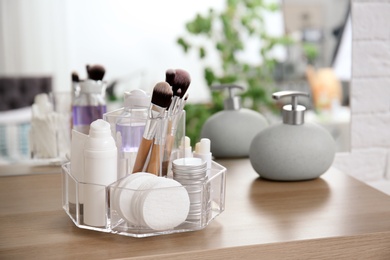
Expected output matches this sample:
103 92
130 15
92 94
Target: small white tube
185 148
202 150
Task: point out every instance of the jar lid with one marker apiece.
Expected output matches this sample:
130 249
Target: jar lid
136 99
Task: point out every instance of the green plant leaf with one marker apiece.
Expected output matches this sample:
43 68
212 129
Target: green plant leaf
227 31
209 76
185 45
201 24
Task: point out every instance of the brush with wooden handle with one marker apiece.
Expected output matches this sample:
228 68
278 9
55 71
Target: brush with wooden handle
160 137
161 99
180 84
156 154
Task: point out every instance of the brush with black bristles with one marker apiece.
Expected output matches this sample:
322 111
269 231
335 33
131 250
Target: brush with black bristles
180 84
170 76
161 99
180 80
95 72
157 152
75 77
75 84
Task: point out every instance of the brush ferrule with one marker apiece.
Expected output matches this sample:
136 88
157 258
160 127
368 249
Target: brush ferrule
150 128
156 113
174 105
181 104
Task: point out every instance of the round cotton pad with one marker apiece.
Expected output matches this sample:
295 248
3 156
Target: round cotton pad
166 205
125 192
136 202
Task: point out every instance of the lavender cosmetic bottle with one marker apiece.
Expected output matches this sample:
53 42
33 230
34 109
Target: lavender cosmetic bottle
89 106
130 127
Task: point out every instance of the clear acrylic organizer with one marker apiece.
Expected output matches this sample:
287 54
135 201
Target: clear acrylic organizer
207 199
212 204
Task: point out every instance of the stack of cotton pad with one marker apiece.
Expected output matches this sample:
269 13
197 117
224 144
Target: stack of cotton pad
145 200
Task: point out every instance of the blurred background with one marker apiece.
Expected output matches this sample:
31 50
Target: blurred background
265 46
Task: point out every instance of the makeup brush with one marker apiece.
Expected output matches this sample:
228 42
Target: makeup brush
95 72
180 85
156 154
182 80
161 99
159 141
75 77
75 85
169 76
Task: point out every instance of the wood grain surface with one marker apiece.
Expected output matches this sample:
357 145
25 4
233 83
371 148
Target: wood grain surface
333 217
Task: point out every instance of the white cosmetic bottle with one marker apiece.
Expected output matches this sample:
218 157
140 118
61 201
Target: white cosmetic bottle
100 170
203 151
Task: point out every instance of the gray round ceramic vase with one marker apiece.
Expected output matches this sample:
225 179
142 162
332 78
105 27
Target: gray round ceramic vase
232 130
292 150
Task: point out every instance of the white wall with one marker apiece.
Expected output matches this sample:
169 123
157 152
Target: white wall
369 159
32 38
134 40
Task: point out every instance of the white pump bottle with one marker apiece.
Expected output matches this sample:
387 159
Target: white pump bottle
100 170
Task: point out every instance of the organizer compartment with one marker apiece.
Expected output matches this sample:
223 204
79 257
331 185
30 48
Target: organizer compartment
208 198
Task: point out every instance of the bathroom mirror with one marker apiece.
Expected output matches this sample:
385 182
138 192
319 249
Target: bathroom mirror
320 62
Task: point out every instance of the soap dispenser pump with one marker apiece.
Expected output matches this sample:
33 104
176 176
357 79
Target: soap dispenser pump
231 131
294 150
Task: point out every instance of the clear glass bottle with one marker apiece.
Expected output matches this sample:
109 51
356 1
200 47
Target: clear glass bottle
131 124
89 106
128 125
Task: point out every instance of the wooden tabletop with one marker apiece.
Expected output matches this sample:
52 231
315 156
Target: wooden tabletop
333 217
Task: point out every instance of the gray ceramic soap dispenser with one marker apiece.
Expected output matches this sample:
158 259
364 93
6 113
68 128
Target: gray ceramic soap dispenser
231 131
294 150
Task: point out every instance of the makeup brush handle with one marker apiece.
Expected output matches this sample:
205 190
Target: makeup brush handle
167 154
142 154
164 168
169 127
168 147
154 162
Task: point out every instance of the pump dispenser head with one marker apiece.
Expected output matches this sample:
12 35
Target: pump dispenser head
100 129
232 102
293 114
